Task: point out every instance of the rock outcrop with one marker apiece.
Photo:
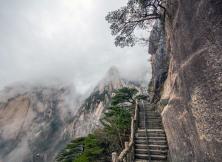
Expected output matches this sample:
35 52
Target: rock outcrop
192 92
159 60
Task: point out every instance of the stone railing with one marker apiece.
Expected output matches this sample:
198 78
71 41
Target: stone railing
127 155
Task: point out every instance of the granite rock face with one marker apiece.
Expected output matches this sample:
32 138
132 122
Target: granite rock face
35 122
192 117
159 60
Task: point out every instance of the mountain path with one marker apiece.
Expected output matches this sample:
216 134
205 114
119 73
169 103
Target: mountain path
150 137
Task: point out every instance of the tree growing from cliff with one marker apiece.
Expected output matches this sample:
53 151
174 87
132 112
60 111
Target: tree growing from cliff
137 13
116 122
126 95
84 149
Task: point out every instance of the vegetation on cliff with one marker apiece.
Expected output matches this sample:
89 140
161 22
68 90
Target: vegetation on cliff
97 147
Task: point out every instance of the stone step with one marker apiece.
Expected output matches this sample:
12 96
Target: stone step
141 160
139 135
154 120
154 132
158 138
148 107
152 152
148 112
151 147
150 130
154 127
151 124
141 119
151 127
153 117
142 126
151 134
150 117
151 142
153 157
151 121
151 112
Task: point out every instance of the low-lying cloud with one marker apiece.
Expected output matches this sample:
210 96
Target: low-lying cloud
68 40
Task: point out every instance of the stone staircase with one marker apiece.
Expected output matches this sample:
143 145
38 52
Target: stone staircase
150 138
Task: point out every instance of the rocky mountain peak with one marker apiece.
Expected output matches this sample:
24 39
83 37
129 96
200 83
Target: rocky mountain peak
111 81
91 111
113 71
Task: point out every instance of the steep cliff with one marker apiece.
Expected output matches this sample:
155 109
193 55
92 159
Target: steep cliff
34 121
159 60
191 95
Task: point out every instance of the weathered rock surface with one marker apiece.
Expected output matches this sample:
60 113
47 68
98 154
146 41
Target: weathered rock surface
35 122
159 60
193 116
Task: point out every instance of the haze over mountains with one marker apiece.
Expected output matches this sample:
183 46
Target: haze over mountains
36 121
42 41
93 107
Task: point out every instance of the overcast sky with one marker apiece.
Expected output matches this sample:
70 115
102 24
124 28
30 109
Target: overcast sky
67 40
